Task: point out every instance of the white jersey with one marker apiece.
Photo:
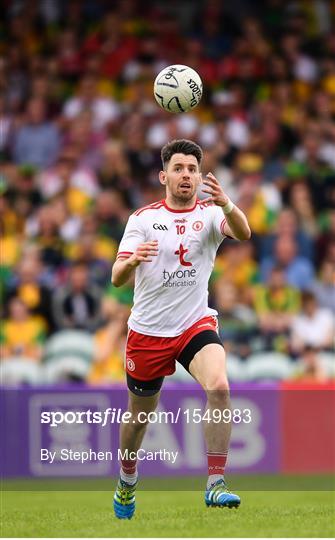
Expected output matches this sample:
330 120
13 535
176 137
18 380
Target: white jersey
171 292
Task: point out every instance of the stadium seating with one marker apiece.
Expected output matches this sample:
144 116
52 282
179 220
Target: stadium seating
327 360
268 366
14 371
236 369
68 356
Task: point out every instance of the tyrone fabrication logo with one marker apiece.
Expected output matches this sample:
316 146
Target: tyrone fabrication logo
181 252
170 278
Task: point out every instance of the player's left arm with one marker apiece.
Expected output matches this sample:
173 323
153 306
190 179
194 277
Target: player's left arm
236 225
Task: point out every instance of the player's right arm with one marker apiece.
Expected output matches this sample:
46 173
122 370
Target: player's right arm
124 267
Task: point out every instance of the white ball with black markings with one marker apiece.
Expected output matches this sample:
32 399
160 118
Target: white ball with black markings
178 88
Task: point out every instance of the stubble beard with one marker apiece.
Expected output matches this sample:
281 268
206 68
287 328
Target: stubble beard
182 199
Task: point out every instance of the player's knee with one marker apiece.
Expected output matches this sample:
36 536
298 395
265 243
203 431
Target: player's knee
219 397
218 385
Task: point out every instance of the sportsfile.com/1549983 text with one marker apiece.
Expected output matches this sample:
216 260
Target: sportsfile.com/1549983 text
117 416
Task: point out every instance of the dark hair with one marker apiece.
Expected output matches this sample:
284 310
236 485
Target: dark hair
79 263
180 146
308 296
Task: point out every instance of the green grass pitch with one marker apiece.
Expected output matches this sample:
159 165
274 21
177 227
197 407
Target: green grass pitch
167 514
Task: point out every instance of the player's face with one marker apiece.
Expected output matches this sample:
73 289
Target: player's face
181 177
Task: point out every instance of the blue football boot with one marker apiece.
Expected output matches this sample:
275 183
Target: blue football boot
124 500
219 496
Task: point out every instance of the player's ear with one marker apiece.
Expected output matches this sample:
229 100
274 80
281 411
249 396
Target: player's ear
200 178
162 177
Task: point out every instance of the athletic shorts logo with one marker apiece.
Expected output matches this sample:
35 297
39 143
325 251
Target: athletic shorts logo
197 226
130 364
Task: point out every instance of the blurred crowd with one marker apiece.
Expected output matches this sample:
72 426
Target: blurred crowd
80 140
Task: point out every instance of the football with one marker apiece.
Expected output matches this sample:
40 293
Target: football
178 88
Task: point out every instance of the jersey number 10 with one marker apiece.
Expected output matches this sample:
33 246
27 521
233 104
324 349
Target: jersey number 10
180 229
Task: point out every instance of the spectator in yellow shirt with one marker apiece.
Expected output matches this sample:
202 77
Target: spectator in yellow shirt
275 304
22 335
109 346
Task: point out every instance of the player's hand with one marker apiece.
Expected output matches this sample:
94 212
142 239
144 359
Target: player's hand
144 253
214 188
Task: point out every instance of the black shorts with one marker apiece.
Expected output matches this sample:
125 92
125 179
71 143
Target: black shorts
153 386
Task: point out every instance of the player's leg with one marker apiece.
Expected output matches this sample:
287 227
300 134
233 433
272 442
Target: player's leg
208 367
148 360
132 432
143 399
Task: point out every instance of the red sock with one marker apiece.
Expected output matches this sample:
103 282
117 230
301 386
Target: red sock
216 463
128 466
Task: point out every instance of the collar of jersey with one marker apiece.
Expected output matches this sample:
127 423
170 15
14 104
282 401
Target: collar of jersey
180 211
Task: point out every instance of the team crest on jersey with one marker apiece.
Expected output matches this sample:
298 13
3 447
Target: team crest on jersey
130 364
197 226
